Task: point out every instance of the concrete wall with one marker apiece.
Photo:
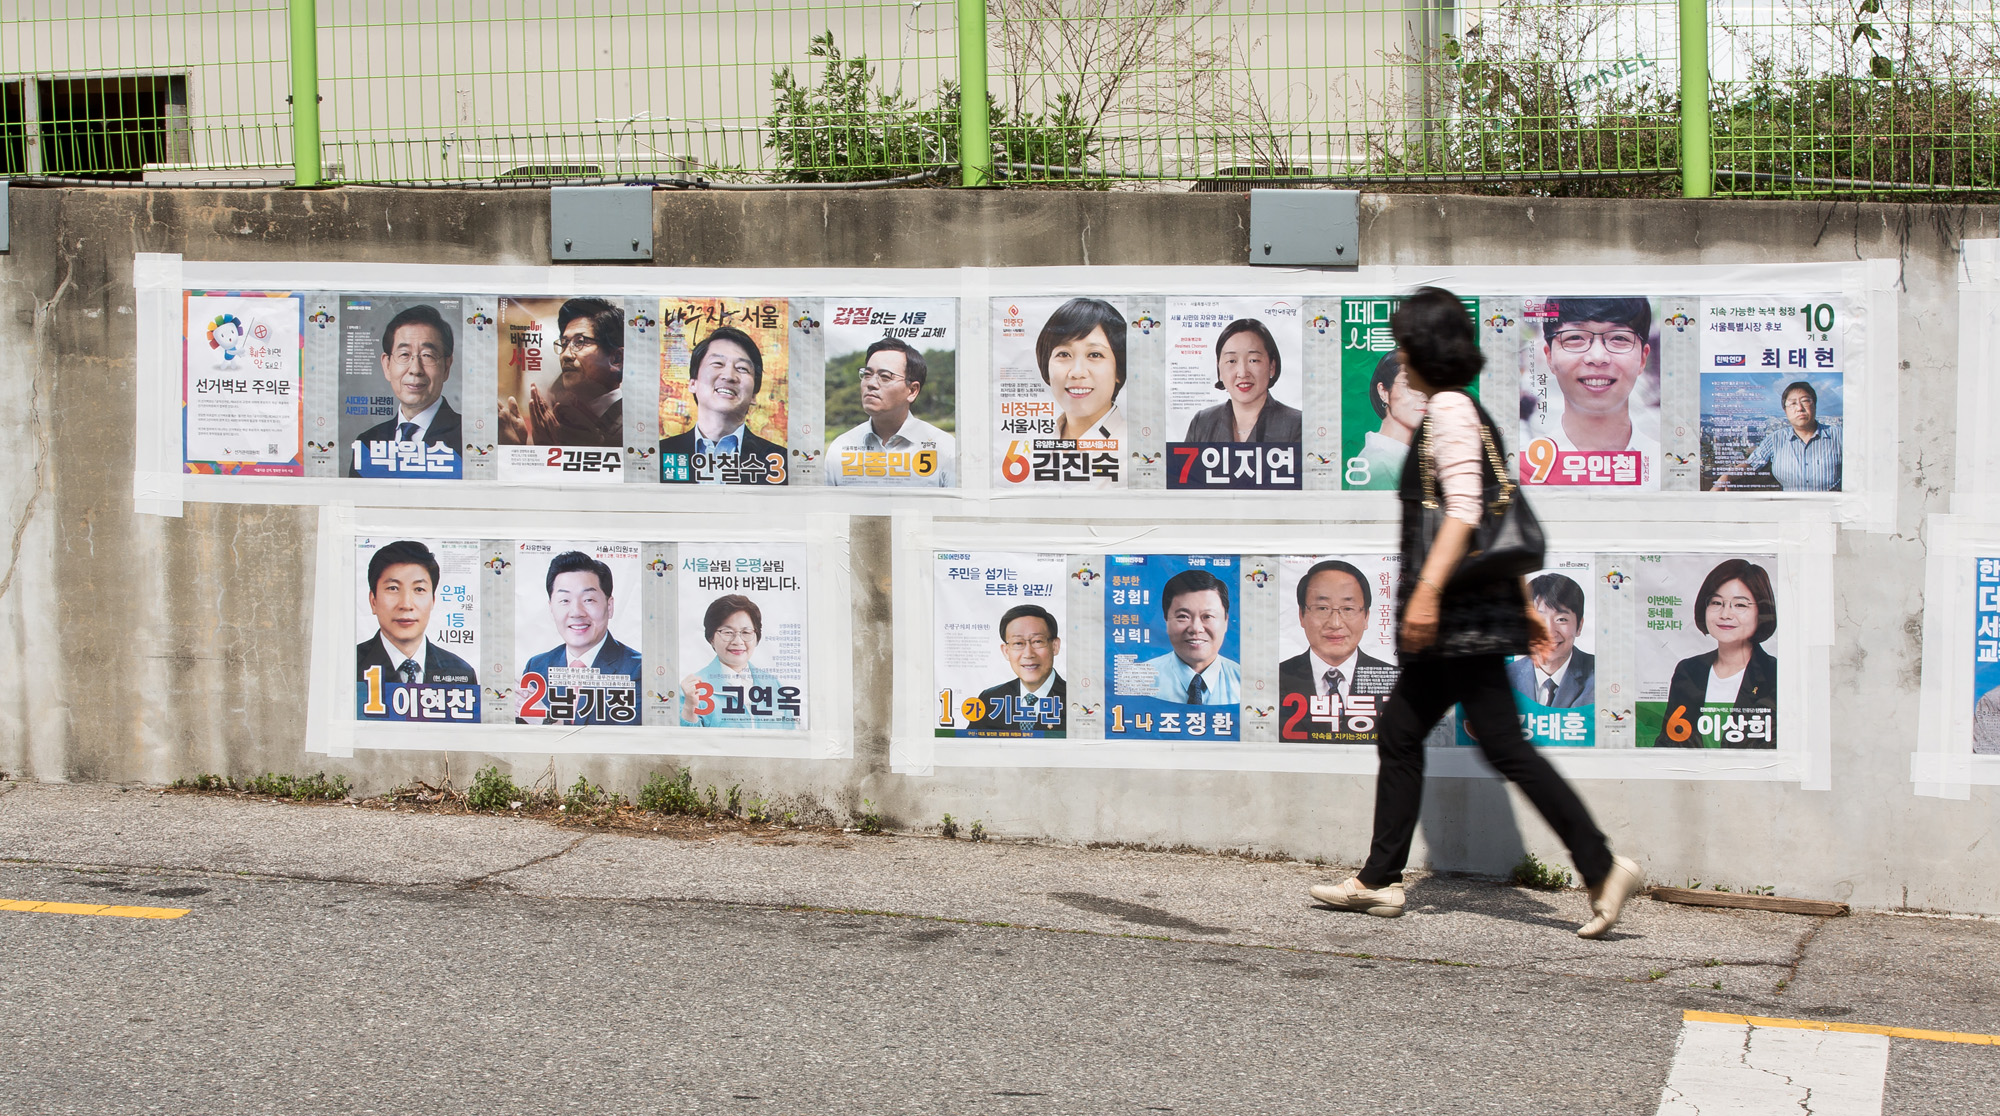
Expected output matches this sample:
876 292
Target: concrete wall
140 649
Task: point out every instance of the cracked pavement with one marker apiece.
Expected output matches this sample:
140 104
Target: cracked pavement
344 959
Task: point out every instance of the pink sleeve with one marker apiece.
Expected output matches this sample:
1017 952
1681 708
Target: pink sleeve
1459 455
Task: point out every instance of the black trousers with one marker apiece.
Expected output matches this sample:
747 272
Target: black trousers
1424 692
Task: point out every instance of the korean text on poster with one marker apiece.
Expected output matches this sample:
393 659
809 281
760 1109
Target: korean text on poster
1234 392
725 381
417 608
1986 656
1590 392
242 403
561 381
1336 645
998 641
1170 647
1059 372
579 609
891 393
400 411
1706 678
743 636
1773 406
1379 411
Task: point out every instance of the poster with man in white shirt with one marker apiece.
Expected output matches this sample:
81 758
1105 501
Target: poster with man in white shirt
399 402
891 401
1590 392
1557 690
416 600
1338 662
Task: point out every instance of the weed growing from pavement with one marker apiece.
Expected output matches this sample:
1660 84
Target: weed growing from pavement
978 830
494 790
1532 872
948 828
586 797
871 818
662 795
317 787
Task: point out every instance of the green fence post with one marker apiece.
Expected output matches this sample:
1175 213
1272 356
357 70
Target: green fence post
975 142
304 21
1697 171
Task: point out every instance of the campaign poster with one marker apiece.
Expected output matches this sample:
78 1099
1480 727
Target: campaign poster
1772 407
578 617
1557 692
1170 647
1379 411
998 645
724 384
400 412
1235 389
417 612
1986 657
743 636
561 381
242 401
1590 392
1706 675
1336 645
892 393
1059 375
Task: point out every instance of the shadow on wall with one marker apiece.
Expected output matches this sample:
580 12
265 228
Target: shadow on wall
1468 826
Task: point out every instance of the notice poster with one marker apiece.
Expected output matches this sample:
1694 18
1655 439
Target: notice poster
1557 692
578 615
998 645
1379 411
417 608
1170 647
1705 676
743 636
892 393
242 391
1590 392
1235 385
1986 657
1059 373
724 384
561 382
1772 406
400 413
1336 645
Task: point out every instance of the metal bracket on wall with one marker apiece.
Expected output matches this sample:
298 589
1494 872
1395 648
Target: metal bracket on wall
1305 228
4 243
600 223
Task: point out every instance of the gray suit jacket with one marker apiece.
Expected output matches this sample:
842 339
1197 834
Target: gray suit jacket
1578 687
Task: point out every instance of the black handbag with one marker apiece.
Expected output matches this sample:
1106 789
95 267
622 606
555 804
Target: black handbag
1508 542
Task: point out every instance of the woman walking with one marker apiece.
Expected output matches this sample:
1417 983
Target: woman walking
1457 627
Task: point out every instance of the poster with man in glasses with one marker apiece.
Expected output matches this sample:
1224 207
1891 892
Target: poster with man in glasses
999 661
1590 392
561 381
891 393
1337 664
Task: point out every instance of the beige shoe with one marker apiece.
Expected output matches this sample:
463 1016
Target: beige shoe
1607 899
1349 895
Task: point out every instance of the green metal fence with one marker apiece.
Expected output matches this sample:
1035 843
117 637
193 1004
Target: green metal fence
1591 97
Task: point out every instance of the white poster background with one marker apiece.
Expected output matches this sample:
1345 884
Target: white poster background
1382 571
244 387
1193 324
966 625
535 626
782 650
454 622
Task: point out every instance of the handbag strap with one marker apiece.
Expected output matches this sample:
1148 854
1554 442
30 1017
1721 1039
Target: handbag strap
1427 466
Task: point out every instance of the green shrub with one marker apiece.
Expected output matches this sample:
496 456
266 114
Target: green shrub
1532 872
662 795
493 790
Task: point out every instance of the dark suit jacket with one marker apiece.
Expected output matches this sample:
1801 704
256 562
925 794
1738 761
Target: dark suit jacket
440 666
1690 685
1010 689
1372 676
612 658
1577 684
753 446
1275 423
446 427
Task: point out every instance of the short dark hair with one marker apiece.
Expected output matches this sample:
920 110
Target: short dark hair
1559 591
1755 579
405 552
576 561
1191 581
1633 313
1073 321
1798 385
420 314
915 371
1335 565
1437 338
1034 612
722 608
1383 383
606 320
742 341
1263 332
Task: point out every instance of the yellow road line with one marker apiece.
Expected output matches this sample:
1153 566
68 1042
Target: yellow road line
1847 1028
30 906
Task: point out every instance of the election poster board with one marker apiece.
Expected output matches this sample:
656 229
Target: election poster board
725 381
1590 392
579 633
417 609
560 382
1557 692
997 637
1336 645
1986 656
242 383
742 636
1171 647
401 403
1706 674
1772 394
891 419
1060 373
1234 416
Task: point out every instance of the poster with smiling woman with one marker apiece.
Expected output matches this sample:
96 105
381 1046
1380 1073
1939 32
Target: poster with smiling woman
1707 678
1234 391
1059 377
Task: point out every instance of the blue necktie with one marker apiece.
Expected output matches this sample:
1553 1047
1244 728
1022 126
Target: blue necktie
408 431
1197 690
